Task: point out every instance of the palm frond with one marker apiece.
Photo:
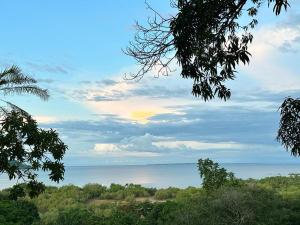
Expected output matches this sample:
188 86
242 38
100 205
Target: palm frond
3 111
14 75
12 107
26 89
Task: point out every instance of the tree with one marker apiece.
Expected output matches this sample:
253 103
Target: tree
204 37
25 148
214 176
207 39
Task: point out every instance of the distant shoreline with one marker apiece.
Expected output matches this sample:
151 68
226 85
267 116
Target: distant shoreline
179 175
165 164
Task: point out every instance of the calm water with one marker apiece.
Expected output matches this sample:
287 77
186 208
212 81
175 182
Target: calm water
160 176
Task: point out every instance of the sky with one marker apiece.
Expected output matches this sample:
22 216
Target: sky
74 49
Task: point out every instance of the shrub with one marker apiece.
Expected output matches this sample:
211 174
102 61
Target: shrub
164 194
17 213
75 216
91 191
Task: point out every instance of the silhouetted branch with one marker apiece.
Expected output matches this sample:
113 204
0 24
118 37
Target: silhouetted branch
289 126
206 39
152 45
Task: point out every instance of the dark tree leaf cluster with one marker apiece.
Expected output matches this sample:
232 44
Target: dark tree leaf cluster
208 44
25 149
289 131
205 37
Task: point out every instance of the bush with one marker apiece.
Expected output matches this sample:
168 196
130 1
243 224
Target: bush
92 191
119 192
17 213
188 193
164 194
116 188
270 201
232 205
74 216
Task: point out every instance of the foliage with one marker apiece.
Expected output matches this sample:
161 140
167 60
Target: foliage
17 213
215 177
242 205
119 192
93 191
25 149
74 216
209 39
206 38
14 81
289 131
191 192
17 191
53 198
269 201
288 187
221 200
164 194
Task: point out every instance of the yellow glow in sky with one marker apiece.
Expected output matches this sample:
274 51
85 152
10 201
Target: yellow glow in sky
142 116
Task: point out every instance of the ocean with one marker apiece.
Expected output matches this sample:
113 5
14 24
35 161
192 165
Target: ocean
159 176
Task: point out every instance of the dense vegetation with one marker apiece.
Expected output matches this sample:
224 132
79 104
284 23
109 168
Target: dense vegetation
24 147
222 200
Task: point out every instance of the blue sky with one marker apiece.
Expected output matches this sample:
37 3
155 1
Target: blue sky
74 49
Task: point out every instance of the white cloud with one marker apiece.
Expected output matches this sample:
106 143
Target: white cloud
153 146
45 119
137 109
119 99
131 100
141 146
114 150
197 145
268 64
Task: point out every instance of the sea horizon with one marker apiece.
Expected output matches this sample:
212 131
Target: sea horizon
179 175
193 163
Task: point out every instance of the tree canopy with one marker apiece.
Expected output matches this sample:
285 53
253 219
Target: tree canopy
208 39
289 131
205 37
214 176
24 147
